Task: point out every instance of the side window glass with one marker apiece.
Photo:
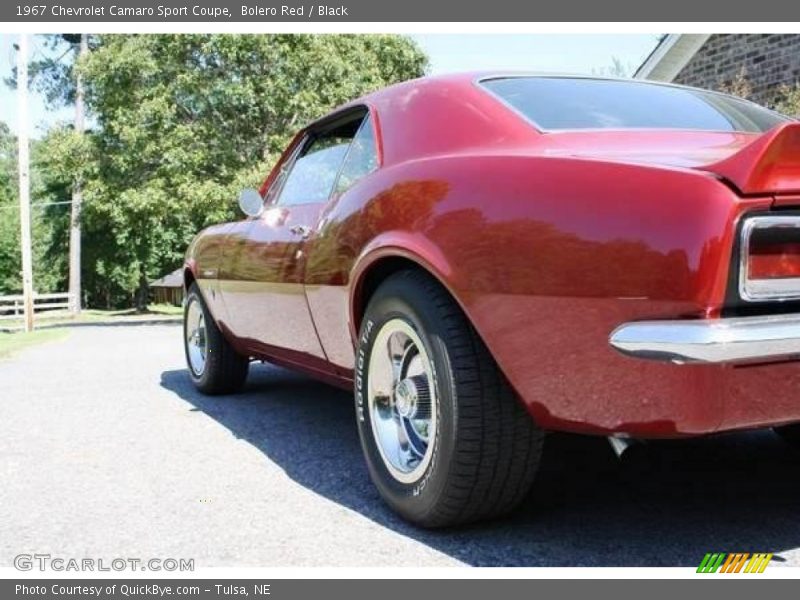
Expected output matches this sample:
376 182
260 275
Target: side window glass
362 158
277 185
313 174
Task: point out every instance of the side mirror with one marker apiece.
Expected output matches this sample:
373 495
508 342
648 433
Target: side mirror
251 202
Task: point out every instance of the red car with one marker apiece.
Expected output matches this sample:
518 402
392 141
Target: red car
486 257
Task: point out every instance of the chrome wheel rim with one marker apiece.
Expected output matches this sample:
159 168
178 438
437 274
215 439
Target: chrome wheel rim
196 343
402 401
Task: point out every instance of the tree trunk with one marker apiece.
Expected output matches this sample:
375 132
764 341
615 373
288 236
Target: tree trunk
143 293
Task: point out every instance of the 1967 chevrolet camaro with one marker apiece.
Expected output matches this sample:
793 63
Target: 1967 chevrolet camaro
485 257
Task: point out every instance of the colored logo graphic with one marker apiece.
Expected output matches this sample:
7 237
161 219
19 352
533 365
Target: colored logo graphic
735 562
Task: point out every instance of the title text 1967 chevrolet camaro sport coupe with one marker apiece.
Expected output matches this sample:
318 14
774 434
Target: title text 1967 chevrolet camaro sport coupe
482 258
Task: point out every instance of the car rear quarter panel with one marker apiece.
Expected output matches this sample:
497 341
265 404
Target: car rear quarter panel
547 255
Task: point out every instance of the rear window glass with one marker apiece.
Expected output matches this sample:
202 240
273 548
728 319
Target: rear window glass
574 103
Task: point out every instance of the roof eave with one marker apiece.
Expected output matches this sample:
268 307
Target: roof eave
670 56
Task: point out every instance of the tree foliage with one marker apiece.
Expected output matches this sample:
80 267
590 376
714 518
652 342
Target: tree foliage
617 68
10 261
184 121
789 100
785 99
48 218
180 123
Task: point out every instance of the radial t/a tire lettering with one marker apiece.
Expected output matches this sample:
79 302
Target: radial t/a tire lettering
445 439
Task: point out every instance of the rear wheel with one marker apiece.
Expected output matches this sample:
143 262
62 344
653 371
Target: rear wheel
445 439
214 366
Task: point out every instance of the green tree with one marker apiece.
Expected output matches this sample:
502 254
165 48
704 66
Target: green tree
785 98
10 258
789 100
181 122
49 190
52 73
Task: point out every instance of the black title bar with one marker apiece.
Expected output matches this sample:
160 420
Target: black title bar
221 11
732 588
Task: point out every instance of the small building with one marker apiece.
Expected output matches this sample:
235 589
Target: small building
767 61
168 289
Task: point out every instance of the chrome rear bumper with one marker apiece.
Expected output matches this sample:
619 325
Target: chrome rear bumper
717 341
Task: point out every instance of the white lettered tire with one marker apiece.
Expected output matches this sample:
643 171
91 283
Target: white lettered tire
445 439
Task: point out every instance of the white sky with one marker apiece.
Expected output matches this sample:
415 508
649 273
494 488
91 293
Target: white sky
585 53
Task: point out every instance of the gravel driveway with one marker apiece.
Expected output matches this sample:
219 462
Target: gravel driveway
106 451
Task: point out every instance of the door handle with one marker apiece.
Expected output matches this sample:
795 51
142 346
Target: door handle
302 230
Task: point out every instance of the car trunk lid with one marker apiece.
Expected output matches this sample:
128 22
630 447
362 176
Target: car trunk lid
681 148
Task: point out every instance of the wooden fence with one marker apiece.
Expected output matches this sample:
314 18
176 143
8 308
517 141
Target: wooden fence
13 309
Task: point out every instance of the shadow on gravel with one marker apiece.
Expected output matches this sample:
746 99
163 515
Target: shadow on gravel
725 493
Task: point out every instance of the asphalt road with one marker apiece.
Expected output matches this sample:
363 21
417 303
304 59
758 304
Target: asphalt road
107 451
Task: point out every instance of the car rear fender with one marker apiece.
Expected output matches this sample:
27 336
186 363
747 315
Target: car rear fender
387 253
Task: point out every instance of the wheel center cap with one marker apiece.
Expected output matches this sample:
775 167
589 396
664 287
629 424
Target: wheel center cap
405 398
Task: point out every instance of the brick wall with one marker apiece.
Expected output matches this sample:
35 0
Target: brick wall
768 60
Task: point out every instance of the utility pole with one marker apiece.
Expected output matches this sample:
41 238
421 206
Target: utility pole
24 180
77 196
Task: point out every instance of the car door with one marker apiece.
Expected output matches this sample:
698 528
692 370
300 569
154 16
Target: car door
261 277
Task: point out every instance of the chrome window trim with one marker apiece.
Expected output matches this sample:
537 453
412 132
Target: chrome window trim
748 226
478 82
315 130
286 168
368 119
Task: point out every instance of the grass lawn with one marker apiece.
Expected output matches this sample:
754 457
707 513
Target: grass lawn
11 343
57 317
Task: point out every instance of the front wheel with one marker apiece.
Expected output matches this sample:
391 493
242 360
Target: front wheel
445 439
214 366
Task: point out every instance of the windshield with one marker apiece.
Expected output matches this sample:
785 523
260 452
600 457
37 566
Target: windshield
574 103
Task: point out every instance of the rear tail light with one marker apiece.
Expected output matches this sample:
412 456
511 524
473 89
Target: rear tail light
770 259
